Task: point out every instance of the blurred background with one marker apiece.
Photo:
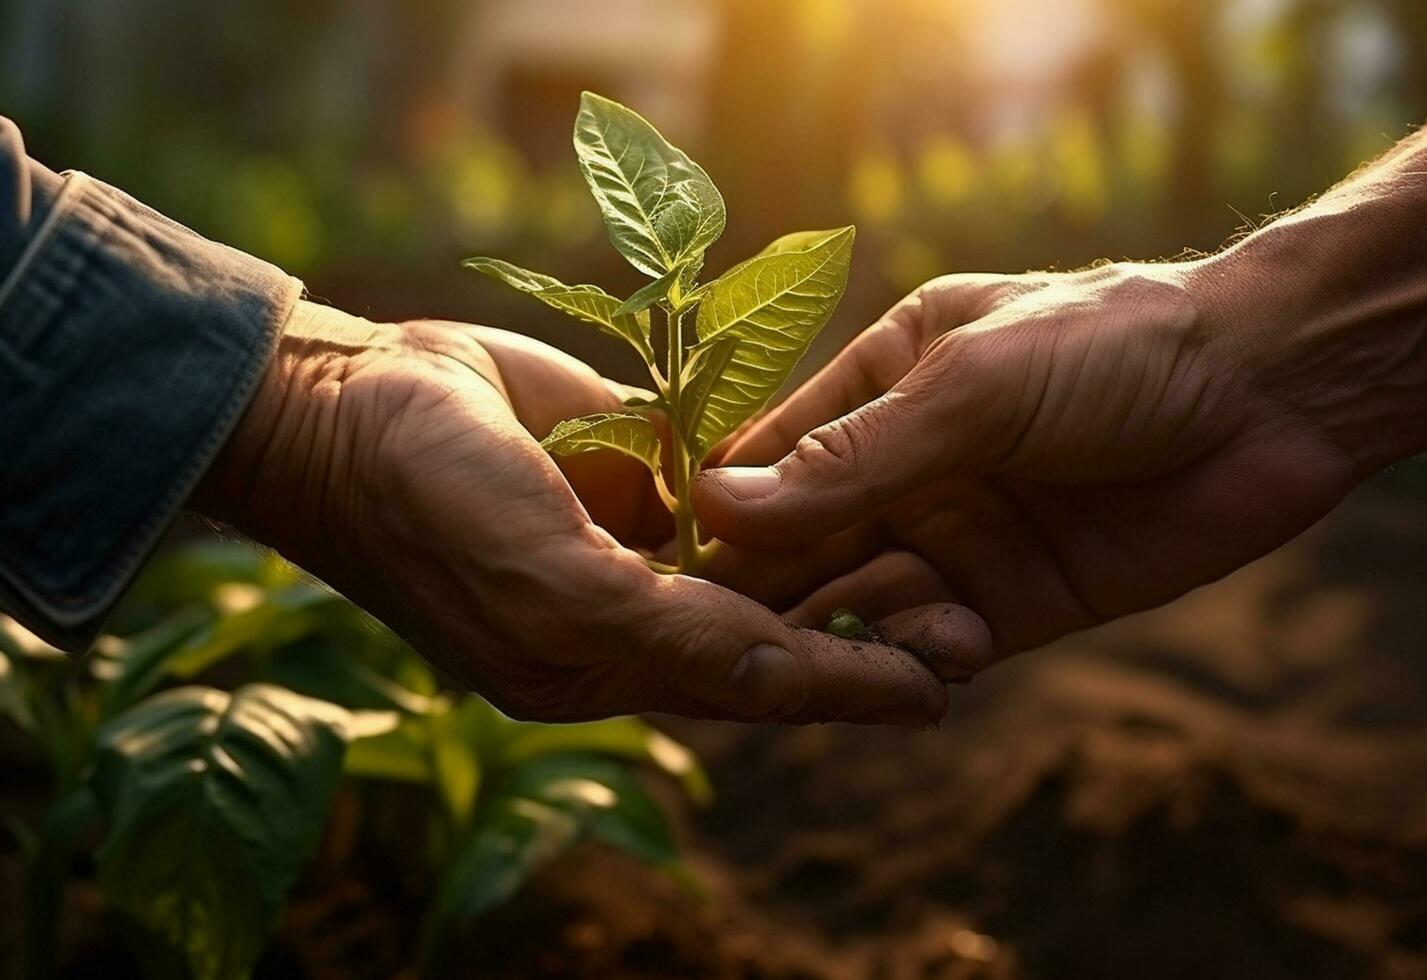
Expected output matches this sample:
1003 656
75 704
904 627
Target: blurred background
368 146
1236 786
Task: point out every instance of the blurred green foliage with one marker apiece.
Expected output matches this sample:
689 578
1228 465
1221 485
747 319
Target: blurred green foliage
367 148
343 142
193 759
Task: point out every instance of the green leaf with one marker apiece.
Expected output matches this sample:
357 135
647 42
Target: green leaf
651 293
321 668
538 812
706 369
619 810
455 757
214 802
660 207
774 304
273 620
628 738
846 624
646 403
516 837
132 667
589 303
634 435
401 755
191 573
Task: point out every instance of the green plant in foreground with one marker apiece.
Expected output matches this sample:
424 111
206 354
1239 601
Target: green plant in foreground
750 326
196 753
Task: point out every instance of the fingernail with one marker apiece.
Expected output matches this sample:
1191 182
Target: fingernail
748 482
765 679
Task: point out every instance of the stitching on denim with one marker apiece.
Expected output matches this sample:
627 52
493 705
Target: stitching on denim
69 612
70 194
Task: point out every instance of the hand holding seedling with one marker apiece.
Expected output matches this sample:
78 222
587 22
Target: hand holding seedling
715 352
395 462
1059 450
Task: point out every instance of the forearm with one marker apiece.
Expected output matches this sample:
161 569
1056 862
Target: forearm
128 348
1330 302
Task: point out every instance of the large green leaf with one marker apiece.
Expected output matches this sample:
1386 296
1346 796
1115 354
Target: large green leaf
324 667
706 368
773 304
584 302
540 810
214 801
629 433
661 209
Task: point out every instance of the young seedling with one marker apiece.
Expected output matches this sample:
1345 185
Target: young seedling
727 345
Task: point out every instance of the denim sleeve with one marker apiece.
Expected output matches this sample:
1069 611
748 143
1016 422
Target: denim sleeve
129 348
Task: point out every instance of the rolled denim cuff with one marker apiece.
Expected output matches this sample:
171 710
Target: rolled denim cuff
129 348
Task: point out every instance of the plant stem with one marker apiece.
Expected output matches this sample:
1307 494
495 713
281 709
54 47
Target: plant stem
686 531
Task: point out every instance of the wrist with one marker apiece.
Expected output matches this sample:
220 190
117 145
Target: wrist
1328 310
286 477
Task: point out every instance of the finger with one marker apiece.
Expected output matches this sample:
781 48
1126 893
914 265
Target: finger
696 648
912 607
888 584
780 579
866 368
838 474
950 639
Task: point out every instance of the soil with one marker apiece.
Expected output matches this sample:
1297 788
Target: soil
1234 786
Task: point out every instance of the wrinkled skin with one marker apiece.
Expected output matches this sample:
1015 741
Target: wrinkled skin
397 463
1052 450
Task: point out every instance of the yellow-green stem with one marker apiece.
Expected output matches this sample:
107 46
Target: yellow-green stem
685 468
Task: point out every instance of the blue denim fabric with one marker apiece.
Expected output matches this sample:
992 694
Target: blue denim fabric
129 347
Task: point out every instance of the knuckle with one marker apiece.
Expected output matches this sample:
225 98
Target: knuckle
696 640
834 449
885 352
943 353
967 296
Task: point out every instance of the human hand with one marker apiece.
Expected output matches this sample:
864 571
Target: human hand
1052 450
392 462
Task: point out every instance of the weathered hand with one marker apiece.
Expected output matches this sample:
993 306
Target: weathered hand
391 461
543 386
1052 450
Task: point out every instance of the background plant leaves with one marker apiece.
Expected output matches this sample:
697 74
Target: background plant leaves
214 801
539 811
628 738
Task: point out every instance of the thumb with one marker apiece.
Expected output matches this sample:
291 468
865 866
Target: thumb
841 472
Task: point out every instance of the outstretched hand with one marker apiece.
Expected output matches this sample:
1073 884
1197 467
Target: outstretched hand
397 463
1052 450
